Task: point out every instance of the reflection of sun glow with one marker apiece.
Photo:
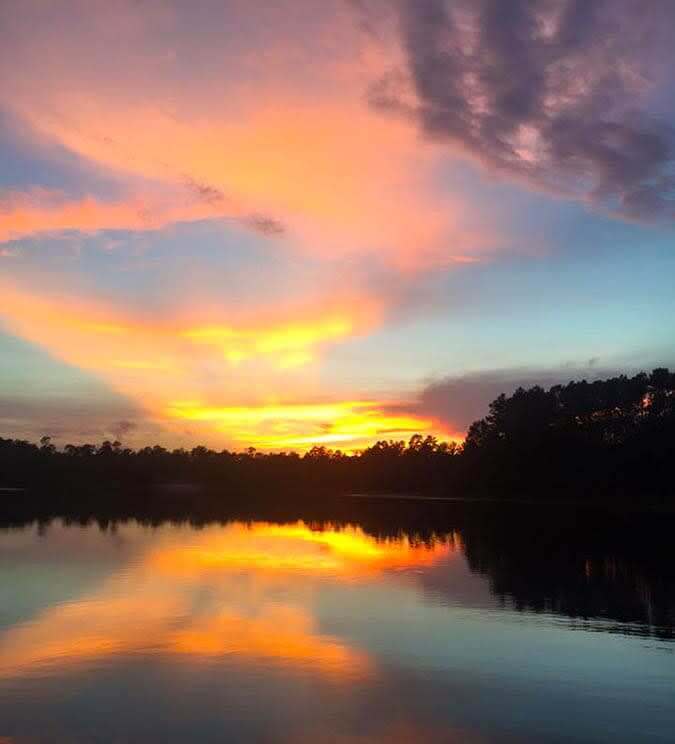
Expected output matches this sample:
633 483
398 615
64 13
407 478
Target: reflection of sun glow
106 625
287 636
298 548
211 597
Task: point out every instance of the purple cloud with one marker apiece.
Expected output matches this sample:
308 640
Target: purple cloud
459 401
551 92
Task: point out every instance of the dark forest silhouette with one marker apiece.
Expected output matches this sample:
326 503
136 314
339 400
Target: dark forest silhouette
610 438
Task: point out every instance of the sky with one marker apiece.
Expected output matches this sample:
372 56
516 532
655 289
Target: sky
277 224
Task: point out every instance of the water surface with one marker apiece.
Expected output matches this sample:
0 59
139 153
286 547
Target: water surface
269 631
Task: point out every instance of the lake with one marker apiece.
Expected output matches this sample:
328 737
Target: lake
458 627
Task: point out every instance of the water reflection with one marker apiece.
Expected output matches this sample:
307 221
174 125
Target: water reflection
214 593
324 548
398 628
590 566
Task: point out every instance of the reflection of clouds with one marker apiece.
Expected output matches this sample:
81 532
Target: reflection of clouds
211 598
282 634
298 548
100 625
164 621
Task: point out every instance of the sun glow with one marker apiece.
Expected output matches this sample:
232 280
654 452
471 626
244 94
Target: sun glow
301 426
176 369
183 234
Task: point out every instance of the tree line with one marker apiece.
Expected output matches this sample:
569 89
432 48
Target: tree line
584 440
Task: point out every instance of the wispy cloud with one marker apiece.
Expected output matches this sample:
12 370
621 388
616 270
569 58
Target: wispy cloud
40 212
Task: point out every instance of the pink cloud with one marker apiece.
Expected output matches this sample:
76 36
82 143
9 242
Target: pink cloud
280 129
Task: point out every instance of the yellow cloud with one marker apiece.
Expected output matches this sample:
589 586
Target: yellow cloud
301 426
290 343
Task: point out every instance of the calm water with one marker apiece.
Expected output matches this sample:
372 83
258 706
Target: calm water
291 632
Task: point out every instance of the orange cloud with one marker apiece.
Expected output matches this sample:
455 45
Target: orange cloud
341 179
34 213
176 371
96 336
168 367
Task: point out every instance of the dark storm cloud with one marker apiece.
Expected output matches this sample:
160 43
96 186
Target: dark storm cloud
551 92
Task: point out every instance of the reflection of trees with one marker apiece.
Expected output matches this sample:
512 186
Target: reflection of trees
580 565
564 560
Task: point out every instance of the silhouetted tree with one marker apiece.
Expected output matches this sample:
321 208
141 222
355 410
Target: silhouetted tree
607 438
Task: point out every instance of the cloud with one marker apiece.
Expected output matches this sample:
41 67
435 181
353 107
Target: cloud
267 127
347 425
236 384
39 212
70 417
272 132
554 93
194 367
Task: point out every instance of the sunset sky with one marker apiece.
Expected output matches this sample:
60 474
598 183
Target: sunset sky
279 223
